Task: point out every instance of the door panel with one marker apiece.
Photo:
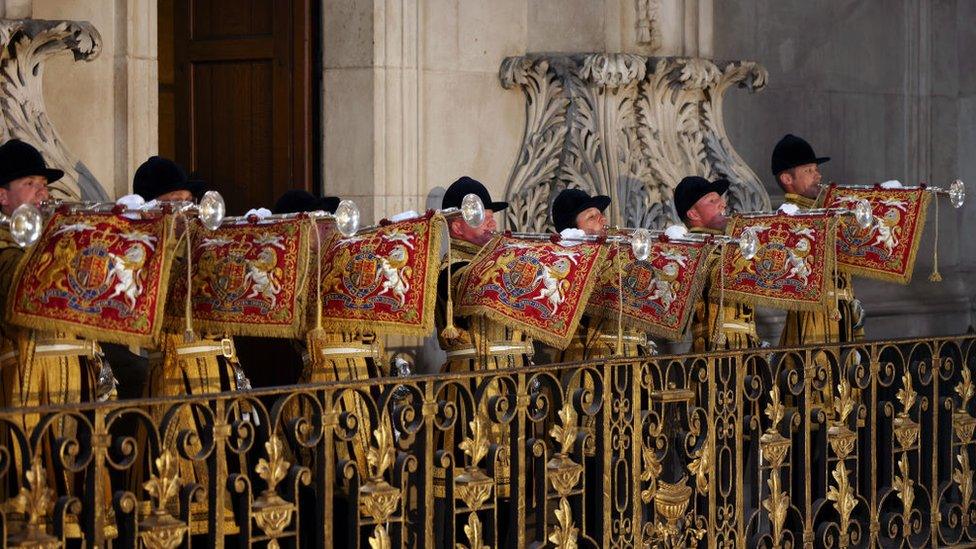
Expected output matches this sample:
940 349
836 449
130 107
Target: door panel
243 100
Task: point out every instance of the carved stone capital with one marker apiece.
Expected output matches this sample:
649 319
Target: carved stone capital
628 126
27 44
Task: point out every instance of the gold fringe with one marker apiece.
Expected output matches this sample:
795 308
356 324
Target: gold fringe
152 339
546 336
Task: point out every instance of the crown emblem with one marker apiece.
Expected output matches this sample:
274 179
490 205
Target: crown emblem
779 235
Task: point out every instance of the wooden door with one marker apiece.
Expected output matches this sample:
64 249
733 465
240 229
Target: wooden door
243 104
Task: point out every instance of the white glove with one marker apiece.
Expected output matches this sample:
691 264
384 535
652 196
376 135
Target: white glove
261 213
402 216
571 237
789 209
131 201
675 231
893 184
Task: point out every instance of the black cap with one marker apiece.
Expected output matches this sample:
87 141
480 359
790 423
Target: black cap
19 159
158 176
299 200
465 186
692 188
570 202
793 151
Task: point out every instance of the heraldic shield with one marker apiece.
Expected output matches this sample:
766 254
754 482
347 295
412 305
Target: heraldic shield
793 268
659 294
97 275
540 286
887 249
383 281
248 279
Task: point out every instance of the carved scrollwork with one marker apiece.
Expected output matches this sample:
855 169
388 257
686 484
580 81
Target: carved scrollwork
27 45
627 126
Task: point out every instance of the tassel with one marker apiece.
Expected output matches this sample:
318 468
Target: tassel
718 334
450 331
618 259
315 338
936 276
188 335
835 314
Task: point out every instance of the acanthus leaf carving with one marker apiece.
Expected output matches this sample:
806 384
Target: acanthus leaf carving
627 126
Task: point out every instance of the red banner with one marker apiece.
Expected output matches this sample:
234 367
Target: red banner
540 286
249 279
794 264
885 251
384 281
97 275
659 293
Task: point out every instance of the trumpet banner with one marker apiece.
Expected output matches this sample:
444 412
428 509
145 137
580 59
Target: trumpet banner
659 294
793 267
248 279
97 275
885 251
384 281
540 286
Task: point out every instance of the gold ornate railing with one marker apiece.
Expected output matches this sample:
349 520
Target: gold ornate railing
859 445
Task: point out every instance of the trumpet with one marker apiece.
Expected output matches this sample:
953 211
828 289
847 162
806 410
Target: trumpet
25 224
210 209
956 191
640 240
472 211
346 217
748 242
861 212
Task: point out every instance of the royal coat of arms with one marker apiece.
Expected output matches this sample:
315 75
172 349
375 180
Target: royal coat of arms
659 294
887 249
540 286
793 267
248 279
97 275
384 281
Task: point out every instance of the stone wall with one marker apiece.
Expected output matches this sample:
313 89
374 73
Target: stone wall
411 93
887 90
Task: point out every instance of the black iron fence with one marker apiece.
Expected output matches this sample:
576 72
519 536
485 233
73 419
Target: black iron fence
831 446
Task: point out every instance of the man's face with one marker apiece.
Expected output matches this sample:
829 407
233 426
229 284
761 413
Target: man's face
181 195
708 212
802 180
31 189
592 222
475 235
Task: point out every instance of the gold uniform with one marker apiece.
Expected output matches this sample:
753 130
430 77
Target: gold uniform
738 320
